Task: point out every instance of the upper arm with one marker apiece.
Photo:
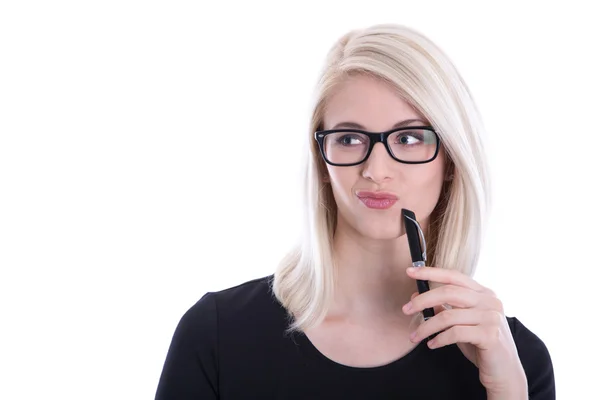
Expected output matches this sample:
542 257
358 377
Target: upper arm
190 368
536 362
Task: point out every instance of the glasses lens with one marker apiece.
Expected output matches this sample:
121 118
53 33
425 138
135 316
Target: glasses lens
415 145
345 147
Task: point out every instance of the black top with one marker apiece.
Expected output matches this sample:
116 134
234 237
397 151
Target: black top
231 345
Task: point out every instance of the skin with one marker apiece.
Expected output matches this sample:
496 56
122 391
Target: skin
369 323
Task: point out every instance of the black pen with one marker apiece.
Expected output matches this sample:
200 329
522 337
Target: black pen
418 253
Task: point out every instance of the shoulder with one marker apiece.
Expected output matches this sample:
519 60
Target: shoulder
235 315
536 360
202 341
226 326
237 307
245 294
528 343
235 299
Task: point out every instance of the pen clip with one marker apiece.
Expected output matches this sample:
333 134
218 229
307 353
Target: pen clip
422 236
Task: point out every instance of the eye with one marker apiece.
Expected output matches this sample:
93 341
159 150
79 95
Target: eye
349 139
408 138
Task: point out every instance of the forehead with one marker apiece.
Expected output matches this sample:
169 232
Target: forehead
368 101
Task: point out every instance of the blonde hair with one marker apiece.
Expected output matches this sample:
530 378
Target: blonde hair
426 78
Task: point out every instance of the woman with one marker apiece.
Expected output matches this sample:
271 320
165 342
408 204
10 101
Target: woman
340 317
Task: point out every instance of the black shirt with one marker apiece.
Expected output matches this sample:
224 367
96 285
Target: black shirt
232 345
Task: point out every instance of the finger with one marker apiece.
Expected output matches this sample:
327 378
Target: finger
474 334
444 275
436 309
439 309
455 296
447 319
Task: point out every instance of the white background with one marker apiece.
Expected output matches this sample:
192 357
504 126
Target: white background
150 152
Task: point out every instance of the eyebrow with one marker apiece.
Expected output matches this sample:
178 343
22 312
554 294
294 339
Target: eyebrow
400 124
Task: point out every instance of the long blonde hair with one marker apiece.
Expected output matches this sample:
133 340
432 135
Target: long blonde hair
426 78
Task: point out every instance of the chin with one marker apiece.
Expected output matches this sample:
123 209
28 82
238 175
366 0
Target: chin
385 231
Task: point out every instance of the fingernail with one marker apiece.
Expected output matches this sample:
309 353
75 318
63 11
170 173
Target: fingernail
412 335
410 269
408 306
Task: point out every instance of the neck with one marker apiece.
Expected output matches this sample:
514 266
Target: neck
371 276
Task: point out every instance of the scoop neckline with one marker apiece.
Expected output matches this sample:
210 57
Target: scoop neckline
312 351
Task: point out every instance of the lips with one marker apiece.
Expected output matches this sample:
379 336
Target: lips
377 195
377 200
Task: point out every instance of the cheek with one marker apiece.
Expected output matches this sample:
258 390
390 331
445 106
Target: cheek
430 185
342 180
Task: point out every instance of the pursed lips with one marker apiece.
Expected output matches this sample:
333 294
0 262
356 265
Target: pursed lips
377 200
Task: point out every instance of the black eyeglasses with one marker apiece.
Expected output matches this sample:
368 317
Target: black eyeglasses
408 145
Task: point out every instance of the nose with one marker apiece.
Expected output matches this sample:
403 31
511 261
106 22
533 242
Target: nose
377 167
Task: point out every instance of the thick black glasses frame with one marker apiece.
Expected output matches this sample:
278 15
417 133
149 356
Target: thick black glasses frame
374 138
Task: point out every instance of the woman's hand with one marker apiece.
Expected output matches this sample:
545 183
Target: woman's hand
475 322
